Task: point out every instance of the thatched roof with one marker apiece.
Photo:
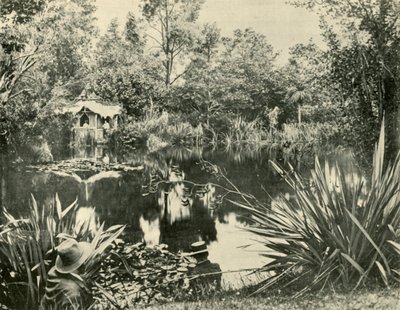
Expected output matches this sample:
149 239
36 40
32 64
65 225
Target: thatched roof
94 106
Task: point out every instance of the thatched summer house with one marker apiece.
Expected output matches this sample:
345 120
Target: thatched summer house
94 120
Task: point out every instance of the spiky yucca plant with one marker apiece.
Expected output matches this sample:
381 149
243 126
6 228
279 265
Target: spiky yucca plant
337 229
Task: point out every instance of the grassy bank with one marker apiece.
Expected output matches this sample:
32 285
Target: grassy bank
363 299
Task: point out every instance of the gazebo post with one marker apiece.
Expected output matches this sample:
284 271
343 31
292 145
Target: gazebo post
95 127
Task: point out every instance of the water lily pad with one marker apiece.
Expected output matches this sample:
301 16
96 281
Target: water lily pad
183 269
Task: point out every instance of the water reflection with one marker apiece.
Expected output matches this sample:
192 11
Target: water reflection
95 153
151 230
87 220
230 253
175 213
86 185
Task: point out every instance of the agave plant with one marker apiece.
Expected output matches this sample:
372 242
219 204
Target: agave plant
337 229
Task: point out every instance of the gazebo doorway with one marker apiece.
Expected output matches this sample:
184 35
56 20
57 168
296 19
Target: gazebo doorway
84 120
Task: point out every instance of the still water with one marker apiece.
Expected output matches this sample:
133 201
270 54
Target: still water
169 211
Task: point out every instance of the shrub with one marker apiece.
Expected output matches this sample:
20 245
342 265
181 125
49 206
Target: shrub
326 112
297 140
242 132
335 230
136 133
165 128
183 134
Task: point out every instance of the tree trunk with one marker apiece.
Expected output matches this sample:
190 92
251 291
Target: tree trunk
2 183
151 107
299 113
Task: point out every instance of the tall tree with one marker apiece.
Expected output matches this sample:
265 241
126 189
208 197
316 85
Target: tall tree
306 74
65 35
172 22
196 96
121 72
249 80
59 33
238 78
208 41
133 31
364 49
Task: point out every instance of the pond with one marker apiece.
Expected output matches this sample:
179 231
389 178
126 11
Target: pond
164 212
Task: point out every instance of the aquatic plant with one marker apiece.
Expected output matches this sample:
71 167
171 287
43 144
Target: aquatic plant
242 132
169 130
212 137
336 230
134 274
182 134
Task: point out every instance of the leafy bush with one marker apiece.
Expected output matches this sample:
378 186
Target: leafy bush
38 141
298 140
335 230
320 113
137 132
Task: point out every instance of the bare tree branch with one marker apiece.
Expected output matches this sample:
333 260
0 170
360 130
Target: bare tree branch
181 74
155 39
156 29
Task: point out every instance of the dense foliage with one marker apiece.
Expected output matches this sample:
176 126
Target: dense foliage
136 274
363 50
119 274
337 229
43 55
27 249
168 62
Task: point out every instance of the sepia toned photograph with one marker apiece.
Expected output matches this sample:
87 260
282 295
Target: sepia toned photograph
199 154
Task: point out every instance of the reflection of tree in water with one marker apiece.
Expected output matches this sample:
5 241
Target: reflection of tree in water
175 214
120 201
185 217
19 185
198 225
150 225
204 224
